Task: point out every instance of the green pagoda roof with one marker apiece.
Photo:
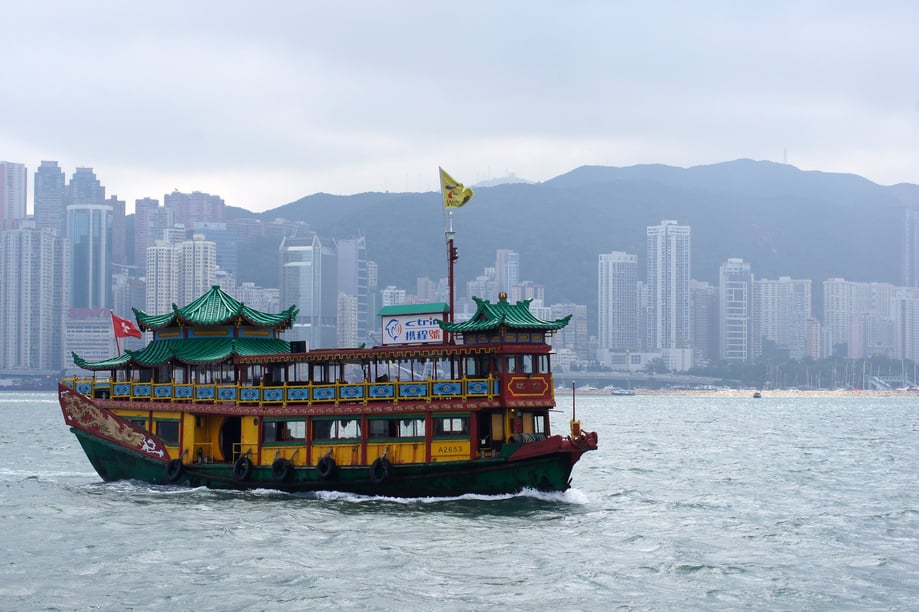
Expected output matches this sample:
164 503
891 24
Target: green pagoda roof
215 308
490 316
193 352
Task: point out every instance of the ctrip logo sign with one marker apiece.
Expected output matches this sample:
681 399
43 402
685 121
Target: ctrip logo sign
412 329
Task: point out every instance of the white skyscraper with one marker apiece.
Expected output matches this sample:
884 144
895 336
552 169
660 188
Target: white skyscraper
32 300
735 293
617 293
669 310
162 277
197 259
507 269
13 191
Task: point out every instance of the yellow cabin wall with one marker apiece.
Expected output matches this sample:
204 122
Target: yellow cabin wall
342 454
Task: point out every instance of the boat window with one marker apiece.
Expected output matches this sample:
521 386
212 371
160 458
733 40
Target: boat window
168 432
511 366
382 428
451 426
544 364
539 423
526 364
411 428
336 429
284 431
138 422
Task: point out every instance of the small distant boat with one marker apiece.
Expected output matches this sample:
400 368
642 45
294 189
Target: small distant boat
622 392
757 394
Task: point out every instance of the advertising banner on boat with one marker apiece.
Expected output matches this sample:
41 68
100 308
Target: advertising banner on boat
413 323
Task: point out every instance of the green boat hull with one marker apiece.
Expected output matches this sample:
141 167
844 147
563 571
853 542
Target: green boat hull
487 476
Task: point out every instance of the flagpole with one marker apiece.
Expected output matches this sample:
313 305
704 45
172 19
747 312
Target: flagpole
451 259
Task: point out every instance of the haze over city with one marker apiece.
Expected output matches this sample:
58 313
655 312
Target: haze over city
263 104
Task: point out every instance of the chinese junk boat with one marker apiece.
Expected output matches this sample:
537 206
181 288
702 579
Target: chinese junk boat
218 399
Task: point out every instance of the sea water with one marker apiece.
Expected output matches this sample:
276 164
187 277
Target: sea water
690 503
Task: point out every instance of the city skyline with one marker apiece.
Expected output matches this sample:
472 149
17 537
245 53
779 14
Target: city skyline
249 107
332 292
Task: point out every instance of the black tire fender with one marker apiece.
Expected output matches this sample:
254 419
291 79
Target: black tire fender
174 470
242 469
280 469
379 470
326 468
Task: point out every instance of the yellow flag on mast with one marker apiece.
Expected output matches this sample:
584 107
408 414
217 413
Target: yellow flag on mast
455 195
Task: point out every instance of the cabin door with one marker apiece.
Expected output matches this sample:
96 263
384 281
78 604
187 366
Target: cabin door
230 437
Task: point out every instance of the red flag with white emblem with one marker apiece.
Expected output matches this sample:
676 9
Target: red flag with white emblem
124 328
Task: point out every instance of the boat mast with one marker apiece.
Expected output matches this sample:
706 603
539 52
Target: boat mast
451 259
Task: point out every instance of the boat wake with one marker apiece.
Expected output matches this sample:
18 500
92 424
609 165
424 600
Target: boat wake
571 496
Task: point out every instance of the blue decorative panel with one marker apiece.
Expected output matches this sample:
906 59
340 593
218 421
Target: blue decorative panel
324 393
122 389
248 394
84 388
298 394
377 391
446 388
204 393
183 391
227 393
477 387
162 391
273 395
142 390
352 392
413 390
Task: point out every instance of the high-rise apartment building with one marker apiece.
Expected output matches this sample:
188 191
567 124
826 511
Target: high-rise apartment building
13 191
143 238
50 208
195 207
782 312
705 327
911 248
353 280
617 293
507 270
162 286
735 295
847 331
32 300
347 321
225 241
119 242
669 306
197 267
574 336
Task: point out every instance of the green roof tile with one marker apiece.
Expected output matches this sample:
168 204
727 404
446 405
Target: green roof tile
197 351
215 308
490 316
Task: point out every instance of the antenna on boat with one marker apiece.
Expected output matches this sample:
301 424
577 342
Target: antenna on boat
452 256
575 424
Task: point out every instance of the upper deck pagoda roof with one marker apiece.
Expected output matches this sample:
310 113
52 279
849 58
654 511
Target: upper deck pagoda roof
216 308
191 352
489 316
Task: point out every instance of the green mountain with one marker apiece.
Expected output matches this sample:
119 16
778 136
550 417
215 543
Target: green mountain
784 221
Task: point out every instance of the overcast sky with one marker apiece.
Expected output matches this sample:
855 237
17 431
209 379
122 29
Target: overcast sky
265 102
